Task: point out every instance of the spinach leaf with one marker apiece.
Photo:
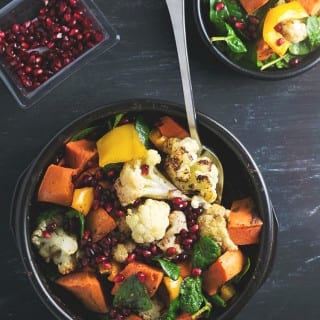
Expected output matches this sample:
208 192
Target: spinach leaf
205 252
116 167
171 313
171 269
232 40
53 214
84 133
244 270
132 294
117 119
191 297
299 49
143 131
203 311
313 30
76 214
217 301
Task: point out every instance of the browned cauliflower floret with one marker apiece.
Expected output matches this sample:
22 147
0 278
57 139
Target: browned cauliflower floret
294 30
178 222
213 223
191 173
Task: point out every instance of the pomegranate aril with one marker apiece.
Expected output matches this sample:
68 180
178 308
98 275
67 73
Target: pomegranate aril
131 257
141 276
196 272
278 27
46 234
239 25
280 42
119 278
219 6
171 251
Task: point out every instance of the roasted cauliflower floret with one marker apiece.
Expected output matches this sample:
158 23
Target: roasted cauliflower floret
149 221
178 222
121 251
294 30
213 223
192 174
155 312
140 178
56 246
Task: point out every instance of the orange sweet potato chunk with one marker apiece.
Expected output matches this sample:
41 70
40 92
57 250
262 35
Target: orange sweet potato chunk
56 185
222 270
244 225
153 275
87 288
78 153
170 128
185 268
100 223
311 6
252 6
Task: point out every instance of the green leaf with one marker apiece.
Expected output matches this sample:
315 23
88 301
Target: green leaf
170 268
299 49
205 252
171 313
217 301
313 30
117 119
203 311
132 294
117 167
84 133
76 214
244 270
51 215
191 297
234 43
143 131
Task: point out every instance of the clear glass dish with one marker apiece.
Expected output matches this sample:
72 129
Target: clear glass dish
42 42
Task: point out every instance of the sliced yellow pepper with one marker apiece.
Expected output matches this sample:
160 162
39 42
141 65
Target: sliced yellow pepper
120 144
227 291
83 199
173 287
287 11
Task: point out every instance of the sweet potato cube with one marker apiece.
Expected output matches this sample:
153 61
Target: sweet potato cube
78 153
311 6
153 275
87 288
244 225
222 270
56 185
252 6
100 223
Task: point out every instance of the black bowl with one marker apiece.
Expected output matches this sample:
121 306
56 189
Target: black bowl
242 178
204 26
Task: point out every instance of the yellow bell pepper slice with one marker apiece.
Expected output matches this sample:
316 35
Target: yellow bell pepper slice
287 11
227 291
173 287
121 144
83 199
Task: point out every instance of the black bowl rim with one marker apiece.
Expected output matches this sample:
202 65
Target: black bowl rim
305 65
22 196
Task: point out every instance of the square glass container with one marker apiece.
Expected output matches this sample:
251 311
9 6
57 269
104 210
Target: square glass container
42 42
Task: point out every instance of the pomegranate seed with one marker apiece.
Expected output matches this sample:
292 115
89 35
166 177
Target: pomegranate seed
239 25
144 169
219 6
254 20
154 249
280 41
278 27
119 278
73 3
196 272
37 72
171 251
101 259
187 241
131 257
146 253
106 265
46 234
294 61
141 276
15 28
194 228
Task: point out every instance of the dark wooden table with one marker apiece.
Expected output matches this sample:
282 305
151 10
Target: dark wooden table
277 121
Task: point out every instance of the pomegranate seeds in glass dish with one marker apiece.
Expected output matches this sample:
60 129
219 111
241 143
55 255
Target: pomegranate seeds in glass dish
42 42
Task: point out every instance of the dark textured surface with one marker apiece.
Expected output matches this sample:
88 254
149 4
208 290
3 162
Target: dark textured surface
278 122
